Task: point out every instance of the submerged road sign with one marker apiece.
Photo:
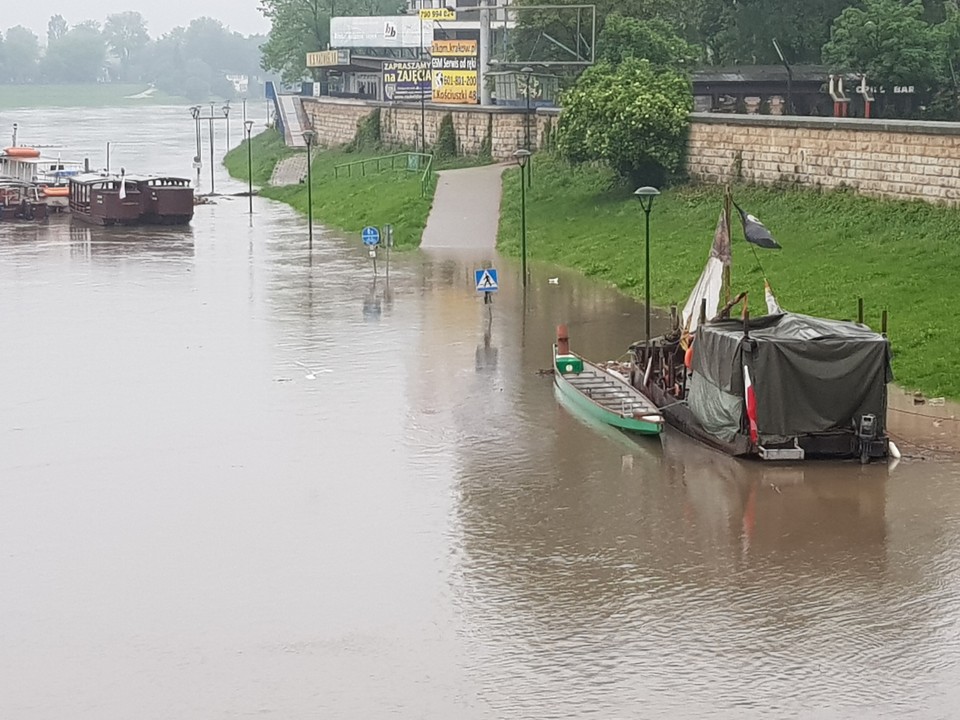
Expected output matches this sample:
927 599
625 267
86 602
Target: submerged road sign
487 280
370 236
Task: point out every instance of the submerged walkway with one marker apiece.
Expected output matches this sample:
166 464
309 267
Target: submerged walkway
290 171
466 209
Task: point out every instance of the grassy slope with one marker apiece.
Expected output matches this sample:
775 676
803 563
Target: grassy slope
95 95
348 203
267 150
836 246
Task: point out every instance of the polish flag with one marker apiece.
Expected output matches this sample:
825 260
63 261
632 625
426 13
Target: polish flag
751 399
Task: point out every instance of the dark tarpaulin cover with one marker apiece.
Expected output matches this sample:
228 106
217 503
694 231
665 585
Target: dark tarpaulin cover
809 374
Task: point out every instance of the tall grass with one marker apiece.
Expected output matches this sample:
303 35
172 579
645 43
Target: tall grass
837 246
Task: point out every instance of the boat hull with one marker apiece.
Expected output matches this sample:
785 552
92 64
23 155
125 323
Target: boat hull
592 408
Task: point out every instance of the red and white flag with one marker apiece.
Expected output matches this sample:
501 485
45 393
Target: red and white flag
751 400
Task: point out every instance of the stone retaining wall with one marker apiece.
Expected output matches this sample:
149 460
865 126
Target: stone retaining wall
882 158
335 121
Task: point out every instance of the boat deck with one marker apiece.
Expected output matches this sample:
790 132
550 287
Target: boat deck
606 390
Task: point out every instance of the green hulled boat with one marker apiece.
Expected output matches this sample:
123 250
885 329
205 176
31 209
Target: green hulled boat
604 395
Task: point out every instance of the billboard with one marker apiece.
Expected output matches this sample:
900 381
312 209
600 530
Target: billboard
437 14
328 58
406 80
397 31
455 71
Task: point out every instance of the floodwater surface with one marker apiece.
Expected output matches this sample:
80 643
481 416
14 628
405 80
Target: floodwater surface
238 479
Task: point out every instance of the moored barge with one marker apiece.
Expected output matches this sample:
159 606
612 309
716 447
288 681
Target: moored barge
131 199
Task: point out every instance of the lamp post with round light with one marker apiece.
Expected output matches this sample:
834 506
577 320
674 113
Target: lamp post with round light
309 136
646 195
248 125
528 88
226 117
523 157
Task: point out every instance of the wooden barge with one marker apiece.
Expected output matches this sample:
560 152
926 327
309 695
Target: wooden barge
131 199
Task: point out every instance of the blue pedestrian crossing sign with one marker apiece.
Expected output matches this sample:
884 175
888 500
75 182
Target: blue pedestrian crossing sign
487 280
370 236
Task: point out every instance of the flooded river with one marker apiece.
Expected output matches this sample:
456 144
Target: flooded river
237 480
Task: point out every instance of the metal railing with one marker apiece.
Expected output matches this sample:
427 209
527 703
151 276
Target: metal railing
409 161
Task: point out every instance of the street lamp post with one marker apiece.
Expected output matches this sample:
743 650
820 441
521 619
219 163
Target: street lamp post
523 157
248 125
195 111
646 195
423 109
226 117
212 188
528 75
309 136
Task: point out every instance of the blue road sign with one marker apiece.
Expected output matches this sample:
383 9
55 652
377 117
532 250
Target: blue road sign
487 280
370 236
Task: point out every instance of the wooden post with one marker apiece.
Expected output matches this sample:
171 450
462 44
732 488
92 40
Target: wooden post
703 311
860 310
883 323
725 277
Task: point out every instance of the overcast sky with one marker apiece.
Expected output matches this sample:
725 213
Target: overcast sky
161 15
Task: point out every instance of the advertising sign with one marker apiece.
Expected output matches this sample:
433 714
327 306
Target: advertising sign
437 14
406 80
455 71
328 58
398 31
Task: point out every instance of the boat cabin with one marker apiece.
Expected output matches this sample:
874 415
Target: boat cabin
105 199
21 200
164 200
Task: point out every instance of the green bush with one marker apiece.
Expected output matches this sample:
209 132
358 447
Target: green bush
446 145
633 117
368 133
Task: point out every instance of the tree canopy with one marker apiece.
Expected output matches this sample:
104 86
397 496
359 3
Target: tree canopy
192 61
302 26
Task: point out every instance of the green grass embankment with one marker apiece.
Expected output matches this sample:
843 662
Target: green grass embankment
837 247
92 95
347 203
267 149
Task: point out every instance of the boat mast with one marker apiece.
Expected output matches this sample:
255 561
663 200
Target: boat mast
725 281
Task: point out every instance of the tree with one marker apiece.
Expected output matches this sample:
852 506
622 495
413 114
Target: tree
632 116
126 35
744 31
302 26
56 28
889 42
23 52
78 57
653 40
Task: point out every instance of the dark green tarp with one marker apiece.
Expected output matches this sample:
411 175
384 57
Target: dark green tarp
809 374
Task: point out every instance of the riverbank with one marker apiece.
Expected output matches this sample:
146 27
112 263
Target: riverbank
93 95
837 246
347 202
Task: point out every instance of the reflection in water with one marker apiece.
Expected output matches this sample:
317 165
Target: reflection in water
487 354
223 490
160 242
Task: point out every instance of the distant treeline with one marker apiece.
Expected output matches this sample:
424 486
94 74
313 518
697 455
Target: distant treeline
191 61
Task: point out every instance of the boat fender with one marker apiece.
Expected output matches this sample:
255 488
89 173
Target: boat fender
563 340
688 357
894 450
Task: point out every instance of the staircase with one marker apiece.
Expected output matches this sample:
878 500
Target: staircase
289 106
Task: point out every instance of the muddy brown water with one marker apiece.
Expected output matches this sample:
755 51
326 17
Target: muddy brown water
236 480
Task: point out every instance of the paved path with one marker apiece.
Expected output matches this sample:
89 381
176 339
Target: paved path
292 130
466 209
290 171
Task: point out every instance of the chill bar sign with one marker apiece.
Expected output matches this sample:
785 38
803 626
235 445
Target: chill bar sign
455 71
